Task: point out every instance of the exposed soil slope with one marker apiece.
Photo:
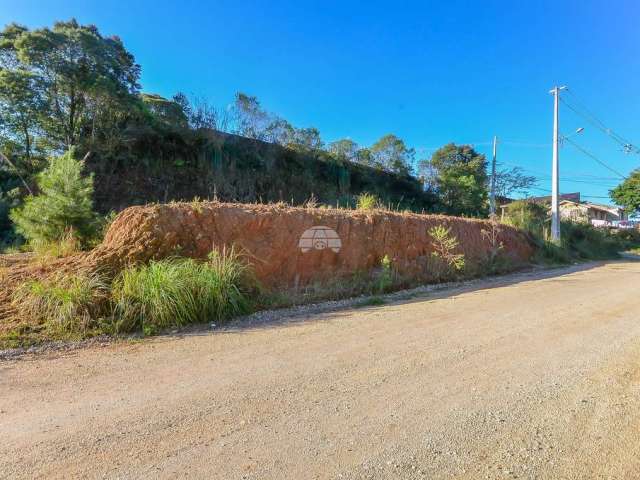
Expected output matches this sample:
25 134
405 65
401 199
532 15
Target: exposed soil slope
270 234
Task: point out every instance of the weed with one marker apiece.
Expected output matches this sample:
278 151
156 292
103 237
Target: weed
448 262
495 261
385 277
367 201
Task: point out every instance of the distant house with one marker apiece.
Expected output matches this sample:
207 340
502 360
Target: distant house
594 213
572 208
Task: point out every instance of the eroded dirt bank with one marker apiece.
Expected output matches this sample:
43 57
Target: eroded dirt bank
537 377
270 235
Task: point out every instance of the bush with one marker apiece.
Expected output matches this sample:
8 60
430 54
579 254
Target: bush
177 292
528 216
64 203
583 241
65 303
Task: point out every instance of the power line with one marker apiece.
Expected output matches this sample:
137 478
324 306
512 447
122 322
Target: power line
627 146
591 155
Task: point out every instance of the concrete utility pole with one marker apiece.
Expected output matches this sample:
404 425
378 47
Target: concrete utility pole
555 171
492 193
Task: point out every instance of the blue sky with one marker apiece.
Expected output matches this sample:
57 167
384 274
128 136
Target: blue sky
430 72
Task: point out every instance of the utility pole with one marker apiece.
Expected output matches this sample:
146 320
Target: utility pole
555 171
492 193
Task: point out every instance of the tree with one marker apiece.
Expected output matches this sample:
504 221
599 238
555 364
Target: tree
63 204
198 112
627 194
344 149
20 107
168 112
513 180
391 154
251 120
459 178
307 138
82 75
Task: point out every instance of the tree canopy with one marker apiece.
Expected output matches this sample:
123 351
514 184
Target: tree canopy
74 76
391 154
458 175
627 194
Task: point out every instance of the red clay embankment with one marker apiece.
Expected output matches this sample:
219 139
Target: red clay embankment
270 236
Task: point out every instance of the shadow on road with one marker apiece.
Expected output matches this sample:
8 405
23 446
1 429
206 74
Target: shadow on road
333 309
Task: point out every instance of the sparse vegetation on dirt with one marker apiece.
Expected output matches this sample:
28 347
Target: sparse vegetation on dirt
367 201
447 261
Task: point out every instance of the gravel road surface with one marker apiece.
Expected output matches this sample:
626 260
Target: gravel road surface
532 376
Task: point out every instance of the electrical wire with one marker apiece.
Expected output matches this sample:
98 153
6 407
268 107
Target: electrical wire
592 156
627 146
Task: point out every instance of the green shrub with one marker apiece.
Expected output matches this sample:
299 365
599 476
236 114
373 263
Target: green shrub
630 238
64 203
64 302
177 292
528 216
367 201
548 253
584 241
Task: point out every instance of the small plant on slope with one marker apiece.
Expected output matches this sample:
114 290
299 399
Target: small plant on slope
367 201
444 245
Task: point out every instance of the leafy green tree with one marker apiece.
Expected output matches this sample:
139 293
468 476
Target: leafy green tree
63 204
627 194
82 75
459 178
391 154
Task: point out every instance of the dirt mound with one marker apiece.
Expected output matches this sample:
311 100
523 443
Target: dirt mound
289 247
274 238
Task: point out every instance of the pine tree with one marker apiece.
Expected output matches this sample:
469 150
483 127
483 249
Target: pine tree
64 204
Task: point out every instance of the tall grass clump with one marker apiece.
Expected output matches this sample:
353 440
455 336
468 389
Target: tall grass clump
176 292
367 201
63 303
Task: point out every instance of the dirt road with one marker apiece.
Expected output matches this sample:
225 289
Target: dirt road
537 376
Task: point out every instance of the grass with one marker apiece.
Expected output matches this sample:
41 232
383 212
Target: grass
371 302
148 298
177 292
63 303
367 201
